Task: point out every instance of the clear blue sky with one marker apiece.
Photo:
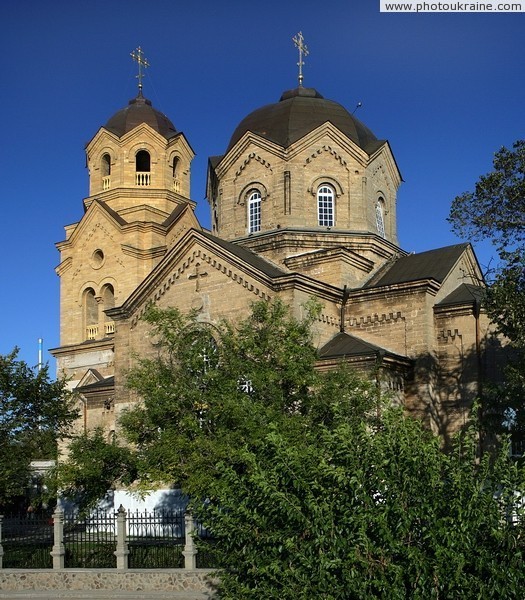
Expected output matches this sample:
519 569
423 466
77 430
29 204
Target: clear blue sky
446 90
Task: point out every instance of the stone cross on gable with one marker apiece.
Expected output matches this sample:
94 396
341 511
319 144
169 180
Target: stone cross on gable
197 275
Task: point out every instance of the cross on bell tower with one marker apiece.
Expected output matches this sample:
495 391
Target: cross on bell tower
138 56
298 40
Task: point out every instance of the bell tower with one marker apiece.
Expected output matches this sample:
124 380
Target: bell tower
139 189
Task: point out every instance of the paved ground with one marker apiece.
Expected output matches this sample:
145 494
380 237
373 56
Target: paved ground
101 595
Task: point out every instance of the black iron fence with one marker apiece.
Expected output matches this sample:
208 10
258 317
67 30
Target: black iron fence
90 541
156 539
139 540
27 541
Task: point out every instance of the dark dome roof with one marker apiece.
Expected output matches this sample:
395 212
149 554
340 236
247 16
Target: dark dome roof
297 113
138 111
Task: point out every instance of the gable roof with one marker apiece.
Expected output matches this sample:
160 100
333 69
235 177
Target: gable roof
432 264
247 256
344 344
107 382
466 293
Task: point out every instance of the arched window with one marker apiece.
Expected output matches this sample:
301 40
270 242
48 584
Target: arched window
106 165
90 314
380 217
108 297
175 166
142 168
142 161
105 168
175 174
254 211
325 205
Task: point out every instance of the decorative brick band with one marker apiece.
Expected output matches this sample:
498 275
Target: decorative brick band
447 335
376 319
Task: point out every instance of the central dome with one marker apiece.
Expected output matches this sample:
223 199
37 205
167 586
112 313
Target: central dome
138 111
299 112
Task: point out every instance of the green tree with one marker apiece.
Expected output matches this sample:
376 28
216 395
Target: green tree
34 413
361 511
313 485
495 211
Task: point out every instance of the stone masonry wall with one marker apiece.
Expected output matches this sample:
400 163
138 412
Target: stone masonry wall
142 580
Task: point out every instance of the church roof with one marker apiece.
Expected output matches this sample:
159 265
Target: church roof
344 344
247 256
299 112
433 264
107 382
466 293
138 111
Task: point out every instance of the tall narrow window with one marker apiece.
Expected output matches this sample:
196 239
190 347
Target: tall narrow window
380 217
108 297
254 211
106 165
175 166
175 174
325 205
90 314
106 171
142 168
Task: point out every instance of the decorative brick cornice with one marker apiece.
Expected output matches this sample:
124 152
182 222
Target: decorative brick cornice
376 319
64 266
248 160
330 150
449 335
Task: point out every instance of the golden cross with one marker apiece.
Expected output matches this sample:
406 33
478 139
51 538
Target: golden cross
298 40
197 275
138 56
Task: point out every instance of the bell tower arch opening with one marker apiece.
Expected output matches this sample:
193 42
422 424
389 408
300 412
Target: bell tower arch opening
142 168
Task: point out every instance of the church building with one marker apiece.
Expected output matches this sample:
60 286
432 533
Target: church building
303 204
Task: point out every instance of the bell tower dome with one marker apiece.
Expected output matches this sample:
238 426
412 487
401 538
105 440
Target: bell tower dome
139 161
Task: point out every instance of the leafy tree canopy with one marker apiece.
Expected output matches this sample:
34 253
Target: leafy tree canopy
34 413
312 484
495 211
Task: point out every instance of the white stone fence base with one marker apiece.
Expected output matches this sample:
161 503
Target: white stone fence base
198 584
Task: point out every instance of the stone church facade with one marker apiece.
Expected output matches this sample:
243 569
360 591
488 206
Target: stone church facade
303 204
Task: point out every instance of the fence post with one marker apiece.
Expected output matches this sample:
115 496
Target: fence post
1 547
59 551
122 551
189 552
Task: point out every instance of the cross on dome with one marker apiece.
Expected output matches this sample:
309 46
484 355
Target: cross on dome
298 40
138 56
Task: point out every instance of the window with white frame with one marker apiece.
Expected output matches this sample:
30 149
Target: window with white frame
254 211
325 205
380 217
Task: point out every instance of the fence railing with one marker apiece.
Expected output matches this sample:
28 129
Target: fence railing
136 540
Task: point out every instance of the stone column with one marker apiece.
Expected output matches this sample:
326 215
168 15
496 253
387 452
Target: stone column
189 552
59 551
1 547
122 550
